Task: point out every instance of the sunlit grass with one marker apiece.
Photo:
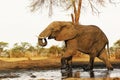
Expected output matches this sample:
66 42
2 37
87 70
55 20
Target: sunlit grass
23 58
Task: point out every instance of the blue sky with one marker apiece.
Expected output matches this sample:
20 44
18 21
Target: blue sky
18 24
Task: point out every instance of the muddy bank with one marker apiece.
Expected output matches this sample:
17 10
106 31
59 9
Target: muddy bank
50 63
30 64
92 79
115 64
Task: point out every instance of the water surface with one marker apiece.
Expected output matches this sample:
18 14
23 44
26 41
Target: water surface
55 74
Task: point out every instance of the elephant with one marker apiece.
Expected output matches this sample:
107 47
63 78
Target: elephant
88 39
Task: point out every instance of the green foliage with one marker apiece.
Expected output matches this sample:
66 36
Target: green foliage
3 44
44 51
117 54
19 50
115 46
55 50
24 48
116 49
31 48
2 51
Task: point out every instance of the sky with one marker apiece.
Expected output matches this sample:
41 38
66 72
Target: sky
18 24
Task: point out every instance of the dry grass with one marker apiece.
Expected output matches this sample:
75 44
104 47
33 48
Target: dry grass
23 58
80 58
42 62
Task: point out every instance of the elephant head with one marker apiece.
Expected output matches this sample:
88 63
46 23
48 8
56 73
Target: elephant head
58 30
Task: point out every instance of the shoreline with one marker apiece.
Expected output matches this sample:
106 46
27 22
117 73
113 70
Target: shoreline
50 63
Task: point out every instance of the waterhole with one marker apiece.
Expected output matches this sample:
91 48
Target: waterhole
56 74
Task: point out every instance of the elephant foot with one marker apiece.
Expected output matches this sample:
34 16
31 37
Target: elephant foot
92 74
66 69
66 73
66 62
88 68
63 63
63 67
110 68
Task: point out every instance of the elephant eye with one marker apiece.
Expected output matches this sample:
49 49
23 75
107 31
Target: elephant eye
52 29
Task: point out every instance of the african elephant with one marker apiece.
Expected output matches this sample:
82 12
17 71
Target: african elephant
88 39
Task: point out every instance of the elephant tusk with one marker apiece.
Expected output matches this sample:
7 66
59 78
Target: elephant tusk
41 37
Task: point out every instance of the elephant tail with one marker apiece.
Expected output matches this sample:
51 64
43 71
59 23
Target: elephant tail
108 51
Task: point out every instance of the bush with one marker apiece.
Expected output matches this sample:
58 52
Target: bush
117 53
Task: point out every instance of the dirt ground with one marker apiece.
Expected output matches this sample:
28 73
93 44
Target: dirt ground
45 62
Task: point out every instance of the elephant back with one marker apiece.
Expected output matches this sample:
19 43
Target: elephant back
90 37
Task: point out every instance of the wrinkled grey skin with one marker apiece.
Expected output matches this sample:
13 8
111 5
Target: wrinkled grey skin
88 39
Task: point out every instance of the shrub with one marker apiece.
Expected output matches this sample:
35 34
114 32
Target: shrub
117 53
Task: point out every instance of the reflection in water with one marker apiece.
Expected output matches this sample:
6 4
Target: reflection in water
56 74
66 74
90 74
77 74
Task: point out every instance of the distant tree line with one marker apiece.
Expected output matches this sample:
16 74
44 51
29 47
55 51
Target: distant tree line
115 49
25 49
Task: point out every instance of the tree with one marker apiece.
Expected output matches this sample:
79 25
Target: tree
19 50
3 45
55 51
67 4
25 46
115 46
116 49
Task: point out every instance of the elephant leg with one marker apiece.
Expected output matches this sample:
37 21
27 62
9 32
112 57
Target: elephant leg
63 63
69 64
66 67
66 60
90 65
103 56
71 49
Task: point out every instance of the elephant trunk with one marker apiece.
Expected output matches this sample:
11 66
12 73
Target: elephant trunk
41 42
42 37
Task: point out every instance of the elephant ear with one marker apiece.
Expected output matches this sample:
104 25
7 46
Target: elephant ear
66 33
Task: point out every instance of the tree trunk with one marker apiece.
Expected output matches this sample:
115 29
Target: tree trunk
76 16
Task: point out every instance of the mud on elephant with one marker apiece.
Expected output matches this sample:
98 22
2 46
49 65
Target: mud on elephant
88 39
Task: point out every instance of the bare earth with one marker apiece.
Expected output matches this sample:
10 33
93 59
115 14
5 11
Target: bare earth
46 62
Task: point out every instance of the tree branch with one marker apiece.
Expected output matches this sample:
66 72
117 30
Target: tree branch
75 17
73 21
93 8
36 4
50 8
114 2
78 12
